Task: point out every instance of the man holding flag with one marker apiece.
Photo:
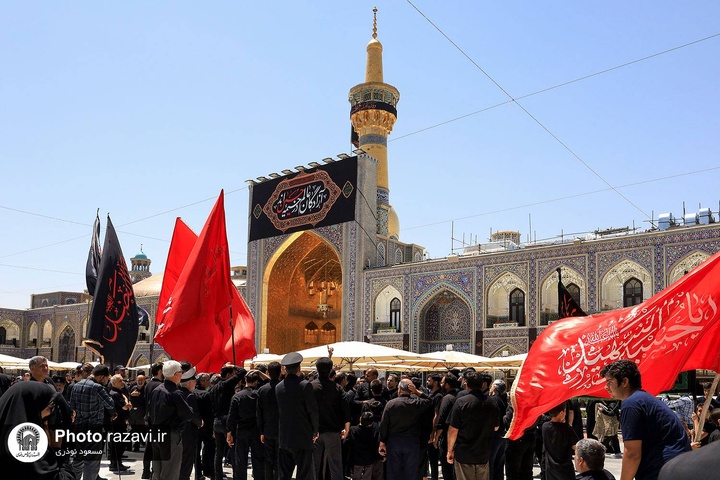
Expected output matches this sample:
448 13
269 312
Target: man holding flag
652 433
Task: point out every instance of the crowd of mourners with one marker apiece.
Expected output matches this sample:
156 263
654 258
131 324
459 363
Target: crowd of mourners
282 423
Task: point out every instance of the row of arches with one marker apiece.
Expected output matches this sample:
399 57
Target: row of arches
447 316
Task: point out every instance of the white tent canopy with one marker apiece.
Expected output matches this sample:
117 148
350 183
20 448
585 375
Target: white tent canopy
350 353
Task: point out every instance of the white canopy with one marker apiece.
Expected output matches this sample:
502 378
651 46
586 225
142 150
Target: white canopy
349 353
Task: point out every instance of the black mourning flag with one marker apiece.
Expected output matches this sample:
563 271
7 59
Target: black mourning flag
567 306
93 261
113 327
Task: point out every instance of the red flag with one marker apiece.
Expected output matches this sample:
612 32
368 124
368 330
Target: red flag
244 327
181 246
191 327
675 330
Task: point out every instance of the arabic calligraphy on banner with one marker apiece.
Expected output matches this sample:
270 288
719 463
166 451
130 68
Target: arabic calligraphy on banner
119 300
643 333
313 198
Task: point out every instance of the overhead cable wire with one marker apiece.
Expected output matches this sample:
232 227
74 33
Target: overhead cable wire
559 85
527 112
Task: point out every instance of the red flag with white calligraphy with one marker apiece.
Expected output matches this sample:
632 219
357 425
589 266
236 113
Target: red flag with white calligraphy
181 245
677 329
191 327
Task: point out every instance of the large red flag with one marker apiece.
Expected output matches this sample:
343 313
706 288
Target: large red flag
191 327
181 246
678 329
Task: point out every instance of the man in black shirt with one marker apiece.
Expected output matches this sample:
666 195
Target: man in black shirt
156 380
400 431
434 383
243 433
190 427
205 455
299 424
449 386
222 393
268 419
334 420
472 421
168 411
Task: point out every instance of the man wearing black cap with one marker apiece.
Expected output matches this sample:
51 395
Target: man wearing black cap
299 423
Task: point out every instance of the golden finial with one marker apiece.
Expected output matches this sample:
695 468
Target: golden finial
374 22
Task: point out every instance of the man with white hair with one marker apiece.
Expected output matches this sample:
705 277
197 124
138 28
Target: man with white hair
118 423
168 411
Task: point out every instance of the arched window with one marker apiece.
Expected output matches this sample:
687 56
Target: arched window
328 333
632 292
574 292
517 306
398 257
395 313
3 335
381 255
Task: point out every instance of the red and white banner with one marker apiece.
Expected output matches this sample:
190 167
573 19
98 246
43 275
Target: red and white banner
674 331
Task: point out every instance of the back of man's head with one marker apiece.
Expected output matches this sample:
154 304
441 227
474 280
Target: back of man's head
366 419
404 386
252 378
324 367
451 380
274 369
592 452
101 370
376 387
226 371
473 380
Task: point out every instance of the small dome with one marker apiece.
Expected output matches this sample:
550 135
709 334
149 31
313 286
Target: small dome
393 224
140 256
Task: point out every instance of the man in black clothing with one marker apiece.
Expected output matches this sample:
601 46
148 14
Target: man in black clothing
400 431
268 420
590 460
139 408
519 453
334 421
498 396
168 411
472 421
189 427
434 384
222 393
5 381
118 424
205 455
243 434
156 380
449 385
299 423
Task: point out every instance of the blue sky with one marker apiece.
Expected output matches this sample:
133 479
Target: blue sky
146 110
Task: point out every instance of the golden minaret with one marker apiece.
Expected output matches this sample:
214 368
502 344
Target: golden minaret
373 113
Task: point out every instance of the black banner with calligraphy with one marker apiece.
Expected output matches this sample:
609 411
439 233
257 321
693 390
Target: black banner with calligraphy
313 198
113 327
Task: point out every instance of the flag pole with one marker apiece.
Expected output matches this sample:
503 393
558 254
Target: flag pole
232 334
706 406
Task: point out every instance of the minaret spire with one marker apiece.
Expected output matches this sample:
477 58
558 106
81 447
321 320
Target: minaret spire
374 35
373 113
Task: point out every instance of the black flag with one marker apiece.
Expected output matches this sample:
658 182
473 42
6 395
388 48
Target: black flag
93 261
144 317
113 327
567 306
